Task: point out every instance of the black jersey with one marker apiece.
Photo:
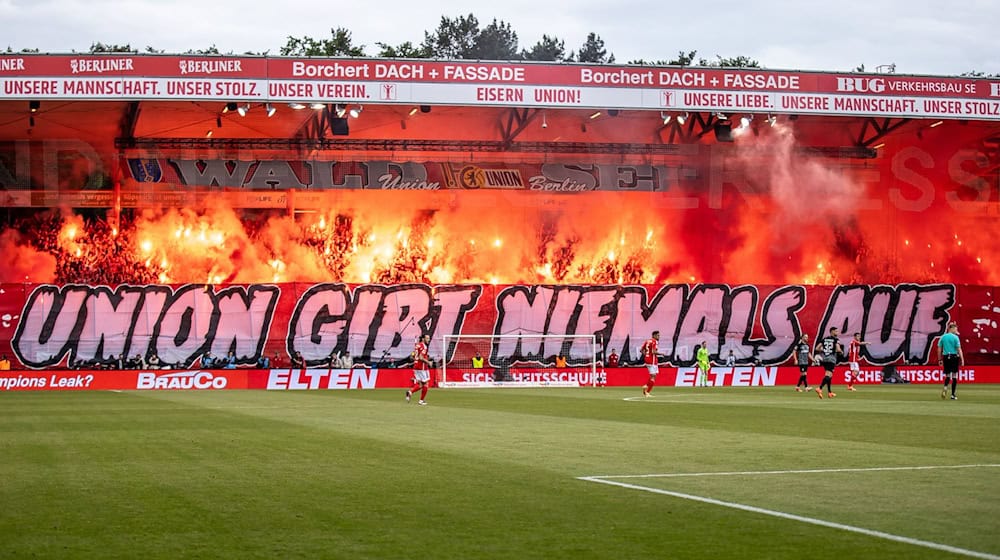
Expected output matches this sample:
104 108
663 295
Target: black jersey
828 350
802 354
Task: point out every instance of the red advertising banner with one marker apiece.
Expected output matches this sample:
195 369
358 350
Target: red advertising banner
372 80
369 378
85 327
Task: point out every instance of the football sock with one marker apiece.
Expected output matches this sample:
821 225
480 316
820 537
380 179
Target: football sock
954 385
423 392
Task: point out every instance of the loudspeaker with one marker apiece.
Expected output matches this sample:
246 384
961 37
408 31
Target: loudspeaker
339 127
723 132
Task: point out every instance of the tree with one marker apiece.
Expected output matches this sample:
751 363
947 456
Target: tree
497 41
403 50
549 48
339 44
454 38
210 50
683 58
462 38
734 62
97 48
978 74
593 51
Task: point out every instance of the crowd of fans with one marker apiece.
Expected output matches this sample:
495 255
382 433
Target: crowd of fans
104 252
99 254
209 361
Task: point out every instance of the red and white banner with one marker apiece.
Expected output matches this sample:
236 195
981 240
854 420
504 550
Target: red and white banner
371 80
77 326
368 378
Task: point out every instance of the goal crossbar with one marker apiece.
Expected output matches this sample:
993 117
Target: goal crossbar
518 360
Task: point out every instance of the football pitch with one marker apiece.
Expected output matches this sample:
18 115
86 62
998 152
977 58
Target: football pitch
887 472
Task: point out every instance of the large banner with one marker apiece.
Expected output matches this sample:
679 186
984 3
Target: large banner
52 326
371 378
417 82
279 174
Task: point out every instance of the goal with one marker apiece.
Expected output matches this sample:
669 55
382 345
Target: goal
518 360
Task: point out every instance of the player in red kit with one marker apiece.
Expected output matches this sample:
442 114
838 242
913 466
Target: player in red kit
650 356
421 369
853 356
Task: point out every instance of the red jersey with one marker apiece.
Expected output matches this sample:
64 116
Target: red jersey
420 358
854 352
649 351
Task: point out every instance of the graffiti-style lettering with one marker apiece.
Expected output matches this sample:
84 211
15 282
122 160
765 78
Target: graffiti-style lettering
107 321
94 324
781 325
381 323
48 326
76 325
898 322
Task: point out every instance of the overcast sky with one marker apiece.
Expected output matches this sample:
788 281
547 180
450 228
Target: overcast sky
919 36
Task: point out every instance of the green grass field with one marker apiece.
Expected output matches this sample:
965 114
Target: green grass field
499 474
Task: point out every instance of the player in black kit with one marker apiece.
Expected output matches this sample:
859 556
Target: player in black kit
803 358
829 350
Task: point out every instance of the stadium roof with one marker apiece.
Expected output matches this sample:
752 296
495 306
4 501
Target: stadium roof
115 102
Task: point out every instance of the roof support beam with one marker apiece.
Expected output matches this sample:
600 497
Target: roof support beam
517 120
128 121
880 129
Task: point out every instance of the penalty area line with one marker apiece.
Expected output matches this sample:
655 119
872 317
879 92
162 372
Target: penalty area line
799 518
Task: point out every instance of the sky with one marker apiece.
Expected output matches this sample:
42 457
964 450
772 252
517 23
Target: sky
918 36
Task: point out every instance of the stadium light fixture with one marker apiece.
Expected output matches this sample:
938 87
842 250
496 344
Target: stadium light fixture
317 106
595 115
34 106
414 110
270 109
745 120
340 110
545 123
771 119
208 133
243 109
682 118
721 116
666 117
229 107
936 124
355 111
879 145
296 106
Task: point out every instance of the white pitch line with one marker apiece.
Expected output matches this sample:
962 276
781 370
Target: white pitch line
801 471
800 518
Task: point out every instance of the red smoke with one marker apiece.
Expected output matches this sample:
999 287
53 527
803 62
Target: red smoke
759 212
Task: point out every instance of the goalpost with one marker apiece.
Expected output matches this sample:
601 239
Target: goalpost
518 360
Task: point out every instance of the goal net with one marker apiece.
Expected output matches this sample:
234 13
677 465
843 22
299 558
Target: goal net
519 360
